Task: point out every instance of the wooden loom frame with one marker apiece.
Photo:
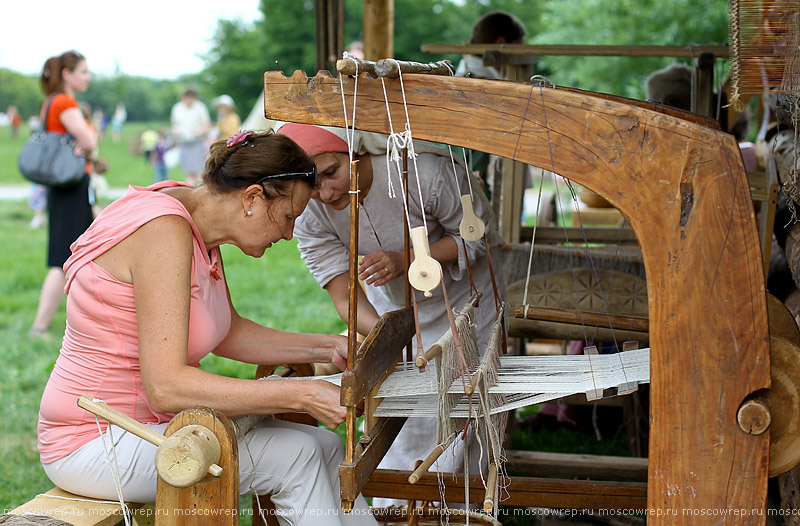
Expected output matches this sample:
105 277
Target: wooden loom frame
683 189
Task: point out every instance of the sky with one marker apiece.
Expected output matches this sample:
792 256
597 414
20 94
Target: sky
152 38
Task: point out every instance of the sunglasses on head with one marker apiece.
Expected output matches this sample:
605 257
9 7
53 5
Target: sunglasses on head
311 174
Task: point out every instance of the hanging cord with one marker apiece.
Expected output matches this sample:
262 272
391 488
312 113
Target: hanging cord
585 242
558 201
113 465
539 199
472 288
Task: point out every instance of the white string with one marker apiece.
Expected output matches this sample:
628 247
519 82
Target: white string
406 140
395 143
533 239
455 174
76 499
524 380
113 466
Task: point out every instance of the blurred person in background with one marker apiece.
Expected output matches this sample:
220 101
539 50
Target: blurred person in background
190 126
228 122
69 208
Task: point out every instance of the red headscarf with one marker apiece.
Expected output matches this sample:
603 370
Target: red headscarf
313 139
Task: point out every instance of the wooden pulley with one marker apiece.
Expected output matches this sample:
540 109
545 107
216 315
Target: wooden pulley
181 460
783 401
425 273
778 408
471 227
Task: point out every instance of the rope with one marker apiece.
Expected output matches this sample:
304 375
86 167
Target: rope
114 467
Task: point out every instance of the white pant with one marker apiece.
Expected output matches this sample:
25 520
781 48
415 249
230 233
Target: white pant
298 464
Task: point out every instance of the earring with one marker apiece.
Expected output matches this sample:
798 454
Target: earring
249 213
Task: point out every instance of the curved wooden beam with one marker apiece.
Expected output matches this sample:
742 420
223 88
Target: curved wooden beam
684 191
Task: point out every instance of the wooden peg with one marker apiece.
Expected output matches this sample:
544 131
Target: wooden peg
592 394
471 227
425 273
425 464
491 483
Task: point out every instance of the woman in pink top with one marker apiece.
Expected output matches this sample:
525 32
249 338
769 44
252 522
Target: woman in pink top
147 299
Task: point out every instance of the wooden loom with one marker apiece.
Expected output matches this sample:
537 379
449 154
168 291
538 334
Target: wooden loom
683 189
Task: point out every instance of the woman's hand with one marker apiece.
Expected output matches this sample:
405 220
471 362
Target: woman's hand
339 351
380 267
322 401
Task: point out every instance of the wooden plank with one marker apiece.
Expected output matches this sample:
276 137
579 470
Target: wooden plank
380 350
522 491
511 193
578 50
684 191
65 506
369 453
588 215
602 467
520 328
588 318
557 234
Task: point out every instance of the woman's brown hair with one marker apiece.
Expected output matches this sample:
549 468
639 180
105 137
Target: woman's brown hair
51 79
245 163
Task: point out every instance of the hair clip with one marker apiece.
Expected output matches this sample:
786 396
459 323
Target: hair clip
237 138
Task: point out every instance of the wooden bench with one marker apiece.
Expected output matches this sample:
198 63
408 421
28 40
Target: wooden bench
82 511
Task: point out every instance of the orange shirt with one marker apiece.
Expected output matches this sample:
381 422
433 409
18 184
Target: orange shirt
61 102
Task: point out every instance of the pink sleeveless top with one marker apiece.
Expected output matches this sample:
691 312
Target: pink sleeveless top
100 353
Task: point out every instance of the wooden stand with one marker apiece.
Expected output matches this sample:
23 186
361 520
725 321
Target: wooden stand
683 189
214 501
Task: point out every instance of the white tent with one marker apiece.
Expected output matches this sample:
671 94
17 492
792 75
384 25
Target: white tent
255 120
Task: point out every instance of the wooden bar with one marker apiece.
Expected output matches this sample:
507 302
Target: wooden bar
549 330
391 68
587 318
352 314
353 475
601 467
523 491
407 249
382 347
491 486
425 465
557 234
74 509
578 50
353 65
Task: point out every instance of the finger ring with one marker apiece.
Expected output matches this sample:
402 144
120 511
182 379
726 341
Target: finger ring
386 270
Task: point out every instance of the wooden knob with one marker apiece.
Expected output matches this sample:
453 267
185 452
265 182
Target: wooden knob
425 273
184 458
754 417
471 227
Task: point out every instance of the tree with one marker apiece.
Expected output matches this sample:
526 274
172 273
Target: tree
21 91
619 22
241 53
